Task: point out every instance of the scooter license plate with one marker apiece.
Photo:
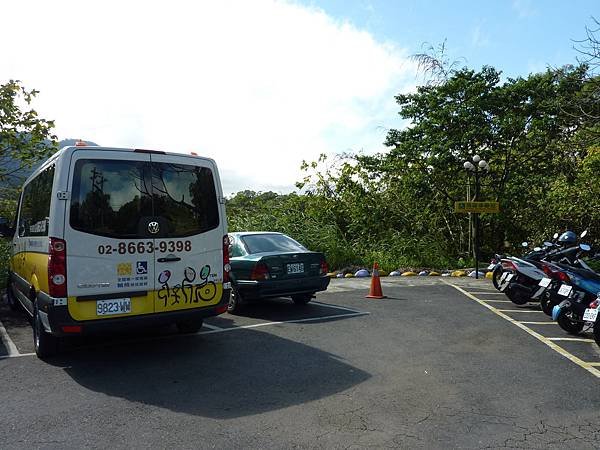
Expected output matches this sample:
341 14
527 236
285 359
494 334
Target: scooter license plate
491 266
565 290
590 315
545 282
507 276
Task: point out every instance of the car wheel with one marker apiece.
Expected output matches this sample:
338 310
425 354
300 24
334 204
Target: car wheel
546 305
302 299
10 296
568 324
235 302
44 343
189 326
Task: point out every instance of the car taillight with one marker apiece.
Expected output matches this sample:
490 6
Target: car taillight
226 262
57 267
324 267
260 272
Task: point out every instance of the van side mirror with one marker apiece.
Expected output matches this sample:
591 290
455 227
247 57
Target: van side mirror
6 231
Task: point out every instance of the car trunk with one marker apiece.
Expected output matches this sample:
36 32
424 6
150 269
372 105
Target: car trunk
293 265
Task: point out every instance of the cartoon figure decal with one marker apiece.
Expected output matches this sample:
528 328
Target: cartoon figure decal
185 291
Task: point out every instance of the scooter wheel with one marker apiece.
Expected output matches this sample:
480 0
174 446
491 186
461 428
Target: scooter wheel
597 333
516 297
568 324
546 305
496 275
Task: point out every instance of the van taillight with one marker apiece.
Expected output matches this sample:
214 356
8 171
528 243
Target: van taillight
57 267
226 265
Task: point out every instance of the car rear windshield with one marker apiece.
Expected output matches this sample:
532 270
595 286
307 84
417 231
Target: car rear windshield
260 243
116 198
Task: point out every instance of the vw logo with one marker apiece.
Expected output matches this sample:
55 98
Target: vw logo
153 227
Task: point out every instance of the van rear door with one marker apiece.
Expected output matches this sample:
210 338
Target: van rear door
110 252
189 243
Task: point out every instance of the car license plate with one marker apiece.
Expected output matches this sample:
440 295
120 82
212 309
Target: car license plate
590 315
113 306
565 290
295 268
545 282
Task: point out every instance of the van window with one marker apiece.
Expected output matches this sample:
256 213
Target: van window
111 197
35 205
186 197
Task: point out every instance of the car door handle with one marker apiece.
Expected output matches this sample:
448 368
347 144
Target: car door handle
169 259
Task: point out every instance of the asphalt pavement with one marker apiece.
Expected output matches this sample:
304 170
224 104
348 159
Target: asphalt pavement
431 366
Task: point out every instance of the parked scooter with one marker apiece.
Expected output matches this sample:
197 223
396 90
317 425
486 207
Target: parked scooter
521 276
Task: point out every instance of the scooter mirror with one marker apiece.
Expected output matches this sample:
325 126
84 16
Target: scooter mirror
585 247
524 244
537 249
583 234
555 236
548 244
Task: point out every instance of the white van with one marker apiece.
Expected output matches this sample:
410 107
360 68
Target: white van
108 238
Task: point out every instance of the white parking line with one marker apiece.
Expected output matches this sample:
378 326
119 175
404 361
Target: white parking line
8 343
20 355
561 351
591 341
211 327
538 323
518 310
488 293
497 301
264 324
343 308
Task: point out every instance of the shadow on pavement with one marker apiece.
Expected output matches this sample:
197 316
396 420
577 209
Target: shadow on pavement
281 309
246 373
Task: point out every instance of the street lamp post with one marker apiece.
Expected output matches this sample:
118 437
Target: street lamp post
476 167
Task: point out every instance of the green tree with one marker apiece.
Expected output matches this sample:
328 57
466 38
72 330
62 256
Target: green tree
25 138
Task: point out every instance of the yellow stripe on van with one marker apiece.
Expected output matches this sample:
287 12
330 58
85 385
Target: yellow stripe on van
33 268
163 300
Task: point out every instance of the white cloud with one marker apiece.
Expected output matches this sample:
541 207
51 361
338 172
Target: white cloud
479 38
258 85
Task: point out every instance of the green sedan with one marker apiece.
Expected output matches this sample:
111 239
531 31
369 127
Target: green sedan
267 264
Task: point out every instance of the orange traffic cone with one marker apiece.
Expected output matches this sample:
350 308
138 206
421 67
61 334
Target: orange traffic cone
375 291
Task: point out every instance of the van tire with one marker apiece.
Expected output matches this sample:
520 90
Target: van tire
45 344
189 326
13 303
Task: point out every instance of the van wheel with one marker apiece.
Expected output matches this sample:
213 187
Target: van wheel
45 344
235 302
189 326
302 299
10 296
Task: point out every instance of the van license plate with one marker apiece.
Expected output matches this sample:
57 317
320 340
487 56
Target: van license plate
113 306
295 268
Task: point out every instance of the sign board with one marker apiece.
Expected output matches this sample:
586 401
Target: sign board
477 207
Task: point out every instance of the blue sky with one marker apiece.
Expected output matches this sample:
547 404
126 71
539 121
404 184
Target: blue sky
515 36
261 85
